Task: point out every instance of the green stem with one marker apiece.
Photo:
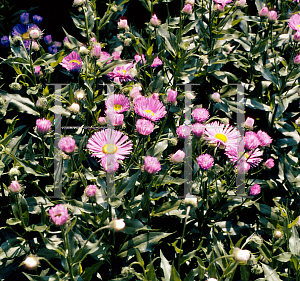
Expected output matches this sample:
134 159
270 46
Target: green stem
86 27
183 232
83 182
66 243
51 265
226 256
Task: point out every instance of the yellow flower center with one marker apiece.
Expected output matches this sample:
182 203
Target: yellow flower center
246 155
298 26
117 107
150 112
221 137
25 36
77 61
109 148
123 70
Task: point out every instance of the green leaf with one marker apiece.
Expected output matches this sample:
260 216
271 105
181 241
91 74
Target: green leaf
268 76
283 257
23 104
174 274
139 257
159 149
270 273
144 242
166 267
13 221
89 271
294 242
166 208
245 272
128 184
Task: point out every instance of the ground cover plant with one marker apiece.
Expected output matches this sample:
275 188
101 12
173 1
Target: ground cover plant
166 149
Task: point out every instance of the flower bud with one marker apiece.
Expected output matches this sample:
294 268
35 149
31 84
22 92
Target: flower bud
96 52
255 241
35 46
78 2
172 95
35 33
14 172
178 156
241 3
102 121
15 187
191 2
79 94
154 20
264 12
215 97
272 16
189 95
83 51
31 262
91 190
249 123
297 59
269 164
296 37
278 233
122 24
187 9
127 42
241 256
117 225
190 200
74 107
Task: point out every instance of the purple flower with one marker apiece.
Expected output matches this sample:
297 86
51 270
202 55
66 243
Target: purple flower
251 140
144 126
24 18
4 41
72 62
121 73
205 161
152 165
15 186
255 189
48 39
37 70
172 95
156 62
52 49
264 138
37 19
183 131
43 125
198 129
67 144
91 190
59 214
200 114
96 52
269 164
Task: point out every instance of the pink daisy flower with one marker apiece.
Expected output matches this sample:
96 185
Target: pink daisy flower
91 190
120 103
269 164
205 161
255 189
223 2
43 125
183 131
294 22
198 129
251 140
59 214
144 127
107 142
152 165
200 114
104 56
222 134
121 73
150 108
264 138
156 62
72 62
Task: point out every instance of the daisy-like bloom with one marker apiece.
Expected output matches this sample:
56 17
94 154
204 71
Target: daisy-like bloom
223 2
156 62
294 22
91 190
72 62
120 103
255 189
150 108
187 9
107 142
200 114
198 129
183 131
15 187
67 144
221 134
264 138
35 32
264 12
121 73
43 125
22 30
144 127
251 140
152 165
244 160
205 161
178 156
59 214
154 20
110 165
269 164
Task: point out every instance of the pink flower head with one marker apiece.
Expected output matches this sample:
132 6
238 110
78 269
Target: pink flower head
241 3
156 62
187 9
93 39
122 24
154 20
37 70
121 73
249 123
183 131
251 140
198 129
59 214
221 134
115 118
144 127
264 138
15 187
152 165
294 22
264 12
191 2
105 56
116 55
102 121
140 58
72 62
107 142
110 165
172 95
178 156
150 108
216 97
223 2
155 96
296 37
118 102
135 92
96 51
297 59
43 125
91 190
200 114
269 164
272 16
255 189
205 161
67 144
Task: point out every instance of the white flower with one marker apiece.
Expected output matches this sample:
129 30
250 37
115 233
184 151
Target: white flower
31 262
117 225
241 255
189 95
74 107
278 233
190 200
